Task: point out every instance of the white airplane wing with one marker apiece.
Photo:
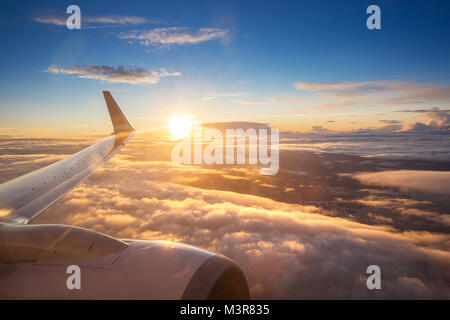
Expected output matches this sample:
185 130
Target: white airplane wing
23 198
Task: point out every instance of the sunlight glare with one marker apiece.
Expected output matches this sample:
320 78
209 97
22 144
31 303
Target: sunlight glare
180 126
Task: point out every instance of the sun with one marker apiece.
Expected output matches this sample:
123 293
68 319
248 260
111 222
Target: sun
180 126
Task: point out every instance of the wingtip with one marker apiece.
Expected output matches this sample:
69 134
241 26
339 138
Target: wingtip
118 119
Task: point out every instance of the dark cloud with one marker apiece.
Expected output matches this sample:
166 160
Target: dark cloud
390 121
320 129
57 19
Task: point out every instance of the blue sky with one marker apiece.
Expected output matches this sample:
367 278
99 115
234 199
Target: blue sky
236 60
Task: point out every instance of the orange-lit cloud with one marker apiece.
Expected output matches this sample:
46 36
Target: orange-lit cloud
287 250
283 248
425 181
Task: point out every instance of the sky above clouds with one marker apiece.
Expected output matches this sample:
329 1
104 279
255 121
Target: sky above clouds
295 64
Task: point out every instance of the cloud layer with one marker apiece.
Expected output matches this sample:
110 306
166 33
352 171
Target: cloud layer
120 74
286 251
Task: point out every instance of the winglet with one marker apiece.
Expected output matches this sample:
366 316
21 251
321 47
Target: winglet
120 123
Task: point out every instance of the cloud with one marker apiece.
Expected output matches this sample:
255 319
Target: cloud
226 94
244 101
120 74
334 104
408 90
320 129
207 98
287 99
424 181
374 143
386 208
343 87
214 95
419 110
287 251
390 121
56 19
437 119
116 20
343 94
167 37
53 20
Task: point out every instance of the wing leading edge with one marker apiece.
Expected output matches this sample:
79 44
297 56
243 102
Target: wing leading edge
23 198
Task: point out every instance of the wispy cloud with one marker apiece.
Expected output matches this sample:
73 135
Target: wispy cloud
390 121
243 101
334 104
342 94
53 18
50 19
168 37
116 20
340 86
287 99
419 110
120 74
225 94
207 98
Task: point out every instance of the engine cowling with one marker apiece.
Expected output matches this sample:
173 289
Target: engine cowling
34 260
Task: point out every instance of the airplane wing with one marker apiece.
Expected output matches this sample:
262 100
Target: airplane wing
23 198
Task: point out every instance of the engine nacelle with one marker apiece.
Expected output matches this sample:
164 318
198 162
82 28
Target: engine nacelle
34 261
